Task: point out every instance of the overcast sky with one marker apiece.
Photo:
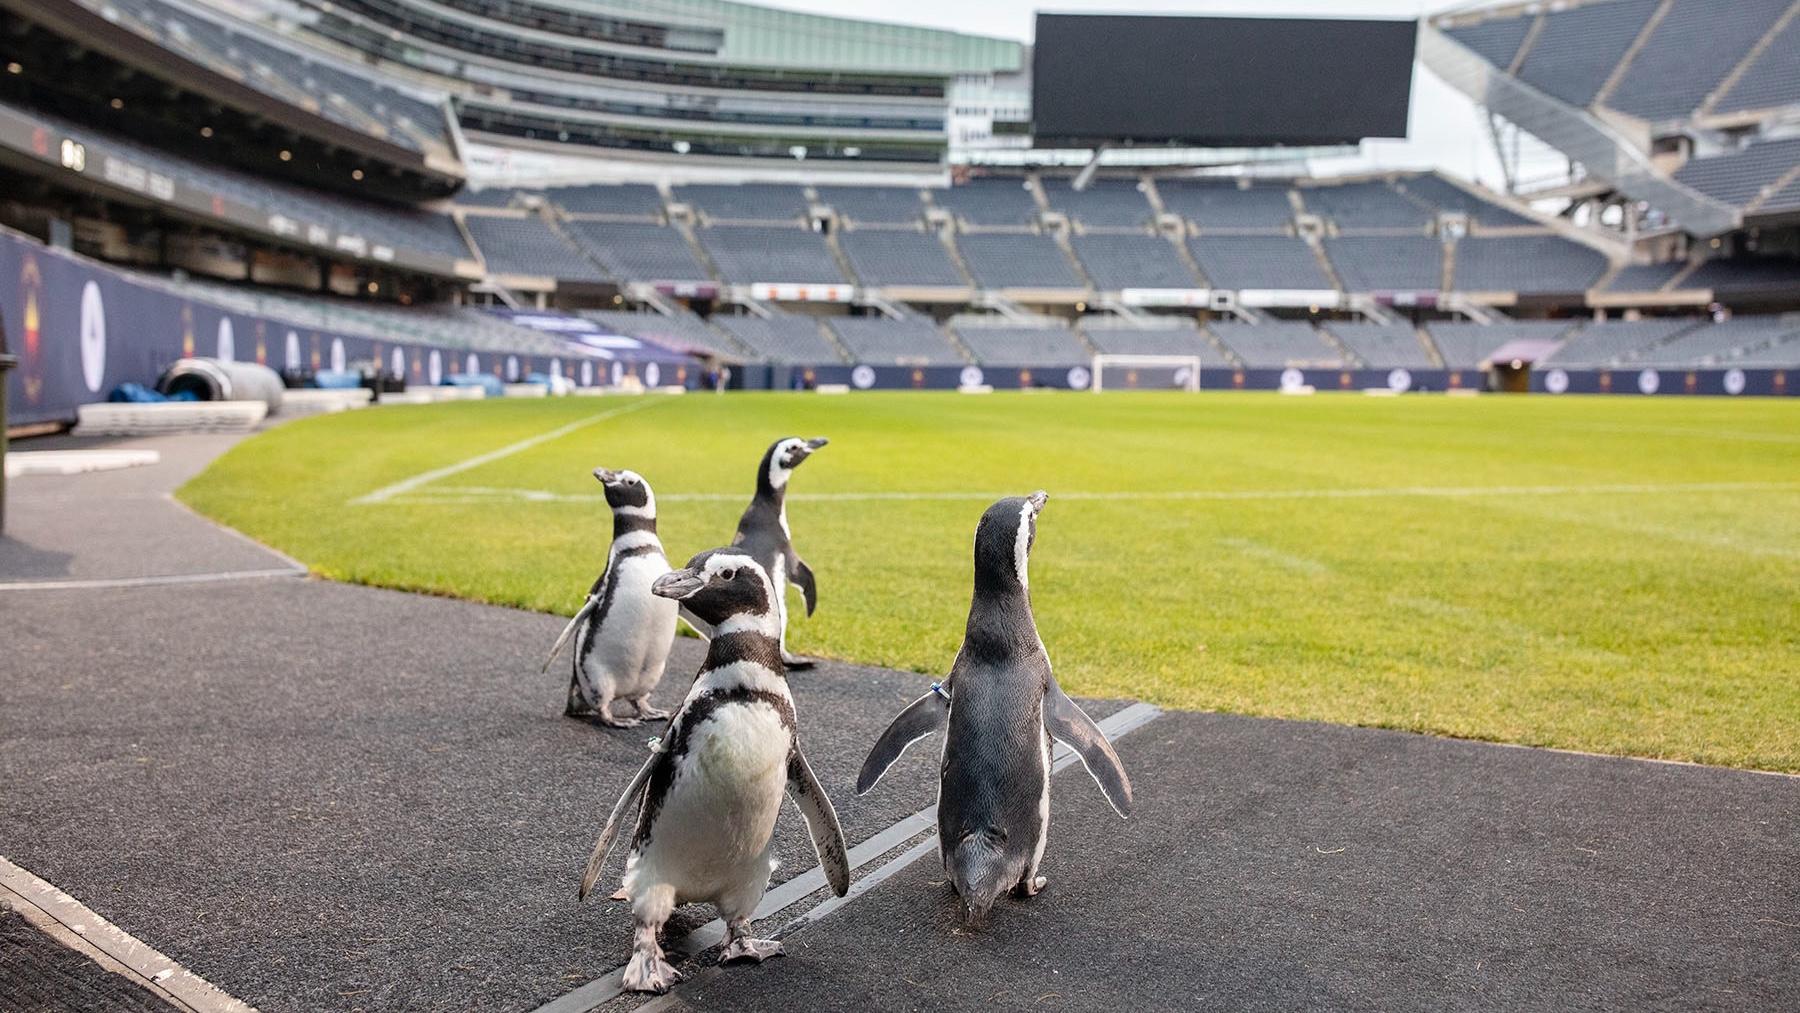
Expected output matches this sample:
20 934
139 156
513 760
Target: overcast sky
1446 132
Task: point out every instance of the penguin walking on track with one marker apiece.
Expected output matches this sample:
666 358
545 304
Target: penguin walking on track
712 787
1002 705
623 632
763 533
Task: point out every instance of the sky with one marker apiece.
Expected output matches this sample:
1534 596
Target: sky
1445 132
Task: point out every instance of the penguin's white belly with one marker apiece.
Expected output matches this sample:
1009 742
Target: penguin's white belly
712 832
631 645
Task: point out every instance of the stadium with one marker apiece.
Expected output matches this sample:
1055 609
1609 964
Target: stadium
1421 529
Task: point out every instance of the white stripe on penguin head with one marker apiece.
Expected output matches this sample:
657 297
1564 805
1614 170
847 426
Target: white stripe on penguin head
1022 544
779 472
648 510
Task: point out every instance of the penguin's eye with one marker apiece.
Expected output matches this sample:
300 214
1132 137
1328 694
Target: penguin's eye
727 574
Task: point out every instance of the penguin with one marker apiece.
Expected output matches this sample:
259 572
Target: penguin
623 632
713 784
763 533
1002 705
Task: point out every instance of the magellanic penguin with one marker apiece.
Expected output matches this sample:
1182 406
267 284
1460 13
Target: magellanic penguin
623 632
1002 705
713 784
763 533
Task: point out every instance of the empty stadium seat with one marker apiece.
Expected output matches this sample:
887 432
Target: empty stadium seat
1024 346
1645 277
745 202
1447 196
684 331
1771 80
1387 263
1222 204
989 201
528 246
782 338
1577 49
1713 344
865 205
1534 264
1496 40
1017 260
638 251
1106 203
1276 344
1741 177
1382 346
1164 336
1365 205
1467 345
1273 262
914 341
899 257
1747 274
624 200
746 254
1604 343
1690 51
1121 260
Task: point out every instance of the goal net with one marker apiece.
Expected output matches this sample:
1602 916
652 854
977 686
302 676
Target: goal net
1146 372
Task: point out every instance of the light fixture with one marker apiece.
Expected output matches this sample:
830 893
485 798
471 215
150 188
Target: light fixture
356 174
286 155
682 147
15 68
205 131
374 288
117 103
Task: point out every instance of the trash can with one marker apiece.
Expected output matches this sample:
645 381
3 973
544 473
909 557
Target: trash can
7 362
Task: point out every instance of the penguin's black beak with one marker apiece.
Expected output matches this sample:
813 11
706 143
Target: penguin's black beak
606 476
816 442
1037 501
678 584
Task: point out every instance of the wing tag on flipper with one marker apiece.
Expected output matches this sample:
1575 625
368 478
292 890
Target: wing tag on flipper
821 821
922 717
1070 725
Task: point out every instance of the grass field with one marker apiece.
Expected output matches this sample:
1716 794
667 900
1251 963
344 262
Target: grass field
1610 574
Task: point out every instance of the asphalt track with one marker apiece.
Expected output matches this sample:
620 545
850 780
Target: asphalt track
322 797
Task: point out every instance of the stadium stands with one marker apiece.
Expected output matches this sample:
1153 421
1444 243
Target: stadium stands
1771 80
1274 262
1446 196
1276 345
1526 264
635 251
528 246
1120 260
1712 344
1365 205
784 337
745 202
914 341
882 257
1214 205
994 201
1106 203
1782 351
1691 50
1467 345
1645 277
1496 40
634 201
1604 344
1742 177
1576 49
1387 263
1382 346
1163 336
1745 275
489 197
747 254
1010 345
682 332
871 205
1001 260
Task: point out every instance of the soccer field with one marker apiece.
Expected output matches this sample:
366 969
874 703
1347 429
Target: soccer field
1609 574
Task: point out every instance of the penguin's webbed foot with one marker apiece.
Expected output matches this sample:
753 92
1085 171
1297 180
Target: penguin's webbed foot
797 662
649 713
611 720
618 894
745 948
649 972
1031 886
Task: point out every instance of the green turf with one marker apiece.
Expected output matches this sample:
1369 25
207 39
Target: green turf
1658 620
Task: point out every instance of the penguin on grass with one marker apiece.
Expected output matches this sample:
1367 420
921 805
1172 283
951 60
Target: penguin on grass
1001 706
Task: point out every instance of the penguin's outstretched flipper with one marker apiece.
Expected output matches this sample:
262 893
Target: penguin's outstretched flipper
1070 725
611 830
809 587
587 609
922 717
822 821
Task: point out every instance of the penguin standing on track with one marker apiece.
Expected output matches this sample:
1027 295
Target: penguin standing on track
1002 705
763 533
623 632
713 784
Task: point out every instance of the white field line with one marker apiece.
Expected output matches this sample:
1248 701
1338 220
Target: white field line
407 485
476 494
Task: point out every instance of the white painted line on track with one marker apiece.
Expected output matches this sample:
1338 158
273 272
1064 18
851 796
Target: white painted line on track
406 485
477 494
76 926
171 580
605 989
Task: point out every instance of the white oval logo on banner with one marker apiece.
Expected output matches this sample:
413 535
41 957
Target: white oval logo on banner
587 374
399 362
512 368
1079 378
1399 380
338 358
1292 377
93 336
618 372
472 364
971 376
652 374
1734 381
434 368
1648 381
556 367
1556 381
227 349
292 355
862 377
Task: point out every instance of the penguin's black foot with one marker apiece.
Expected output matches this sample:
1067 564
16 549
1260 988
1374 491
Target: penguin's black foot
1030 887
618 894
649 713
649 972
745 948
798 662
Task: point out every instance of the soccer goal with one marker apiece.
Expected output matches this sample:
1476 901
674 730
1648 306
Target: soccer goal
1146 372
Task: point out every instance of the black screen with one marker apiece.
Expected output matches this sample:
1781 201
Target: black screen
1223 82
